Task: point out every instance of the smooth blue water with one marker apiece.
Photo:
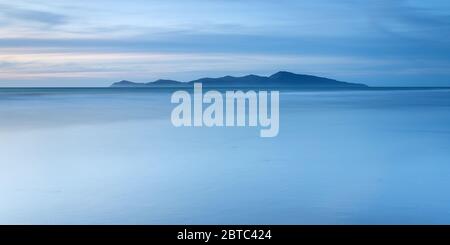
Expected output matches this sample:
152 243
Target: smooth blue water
112 156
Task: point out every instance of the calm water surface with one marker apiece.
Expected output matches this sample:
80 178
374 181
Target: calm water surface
112 156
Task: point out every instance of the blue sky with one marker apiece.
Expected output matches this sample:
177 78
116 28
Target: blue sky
94 43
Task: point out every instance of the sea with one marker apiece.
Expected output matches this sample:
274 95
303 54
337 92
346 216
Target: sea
112 156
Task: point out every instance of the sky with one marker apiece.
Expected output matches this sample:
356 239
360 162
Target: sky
94 43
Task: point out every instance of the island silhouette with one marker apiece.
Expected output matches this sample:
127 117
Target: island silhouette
281 79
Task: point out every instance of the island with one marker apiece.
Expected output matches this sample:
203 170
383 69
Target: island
280 80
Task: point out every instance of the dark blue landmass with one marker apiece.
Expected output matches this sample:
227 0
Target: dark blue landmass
282 79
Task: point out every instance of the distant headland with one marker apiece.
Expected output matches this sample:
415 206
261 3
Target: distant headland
282 79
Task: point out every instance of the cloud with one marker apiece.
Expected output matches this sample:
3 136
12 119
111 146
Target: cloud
9 13
402 19
361 40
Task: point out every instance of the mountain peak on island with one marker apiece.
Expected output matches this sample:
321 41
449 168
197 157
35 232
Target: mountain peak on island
285 75
281 79
282 74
